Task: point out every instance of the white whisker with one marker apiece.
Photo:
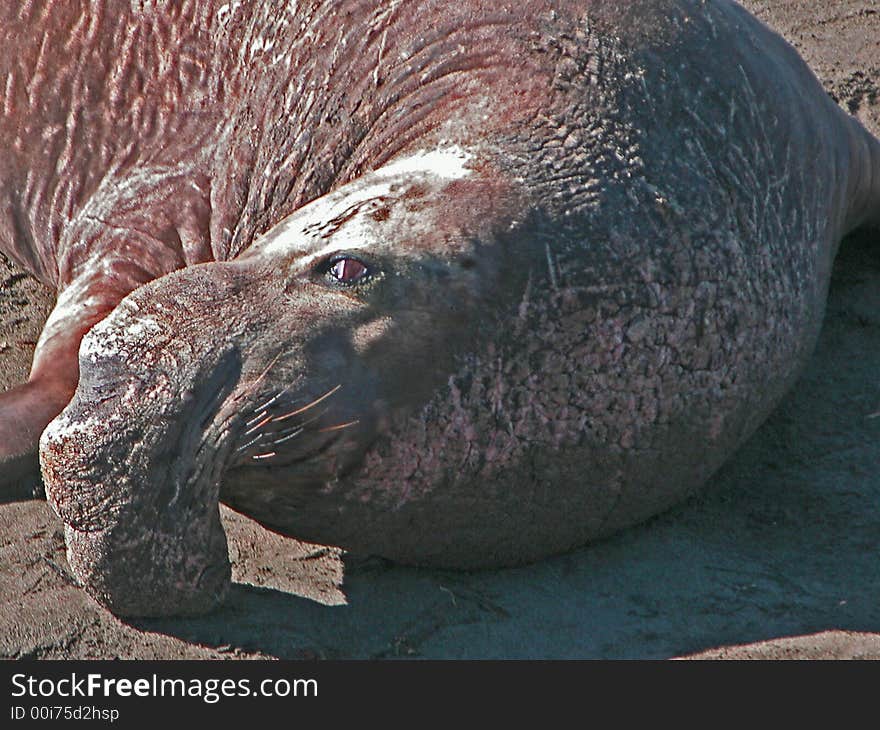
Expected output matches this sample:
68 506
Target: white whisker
255 419
307 407
272 399
258 426
292 434
249 443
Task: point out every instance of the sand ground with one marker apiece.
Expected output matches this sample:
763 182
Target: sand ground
777 558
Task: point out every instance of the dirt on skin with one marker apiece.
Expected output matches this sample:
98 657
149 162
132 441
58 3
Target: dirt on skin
776 558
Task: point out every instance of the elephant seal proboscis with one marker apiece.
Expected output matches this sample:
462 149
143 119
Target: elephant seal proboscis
458 284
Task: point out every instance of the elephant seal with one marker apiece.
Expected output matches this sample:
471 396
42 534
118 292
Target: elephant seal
460 284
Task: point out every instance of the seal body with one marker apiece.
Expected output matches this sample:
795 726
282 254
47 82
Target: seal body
459 286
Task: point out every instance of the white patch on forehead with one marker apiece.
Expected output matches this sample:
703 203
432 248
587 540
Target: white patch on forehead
448 163
303 231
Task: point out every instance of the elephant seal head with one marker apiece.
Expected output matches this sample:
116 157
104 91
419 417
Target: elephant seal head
265 380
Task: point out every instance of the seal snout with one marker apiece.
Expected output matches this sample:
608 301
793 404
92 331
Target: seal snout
116 574
132 466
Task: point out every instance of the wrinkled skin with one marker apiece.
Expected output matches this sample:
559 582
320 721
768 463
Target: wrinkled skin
459 284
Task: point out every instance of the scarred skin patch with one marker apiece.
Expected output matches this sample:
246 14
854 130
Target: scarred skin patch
457 284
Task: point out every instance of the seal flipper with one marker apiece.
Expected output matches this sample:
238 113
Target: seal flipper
26 410
24 413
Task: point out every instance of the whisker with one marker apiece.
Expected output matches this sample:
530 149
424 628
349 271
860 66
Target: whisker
307 407
272 400
249 443
292 434
255 419
288 433
264 456
249 389
258 426
339 427
285 431
302 424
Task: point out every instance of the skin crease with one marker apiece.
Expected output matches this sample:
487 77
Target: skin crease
595 255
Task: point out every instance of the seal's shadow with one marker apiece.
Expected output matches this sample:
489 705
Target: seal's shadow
783 542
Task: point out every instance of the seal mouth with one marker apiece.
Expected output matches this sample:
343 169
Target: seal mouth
299 423
292 432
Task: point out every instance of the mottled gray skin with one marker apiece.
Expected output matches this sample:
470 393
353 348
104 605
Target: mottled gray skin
616 272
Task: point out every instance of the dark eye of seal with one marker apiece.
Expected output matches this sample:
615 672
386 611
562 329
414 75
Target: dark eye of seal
347 270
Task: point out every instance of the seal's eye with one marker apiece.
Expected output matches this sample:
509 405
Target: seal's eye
347 270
